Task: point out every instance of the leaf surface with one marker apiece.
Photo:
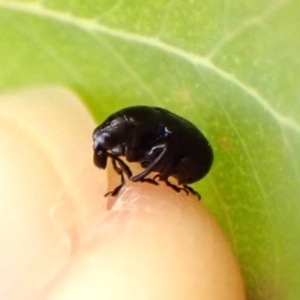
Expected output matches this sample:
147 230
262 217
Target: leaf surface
231 67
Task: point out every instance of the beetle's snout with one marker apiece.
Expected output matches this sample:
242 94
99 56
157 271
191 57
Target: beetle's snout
100 159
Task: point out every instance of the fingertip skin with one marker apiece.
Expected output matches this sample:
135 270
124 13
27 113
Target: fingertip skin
155 244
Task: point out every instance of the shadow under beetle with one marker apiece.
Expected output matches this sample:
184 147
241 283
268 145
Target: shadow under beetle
159 140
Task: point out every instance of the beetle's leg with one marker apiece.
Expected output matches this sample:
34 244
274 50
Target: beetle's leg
175 187
123 166
192 191
119 170
150 167
168 183
156 176
118 188
116 168
149 180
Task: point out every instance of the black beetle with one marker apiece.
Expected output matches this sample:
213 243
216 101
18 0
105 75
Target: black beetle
159 140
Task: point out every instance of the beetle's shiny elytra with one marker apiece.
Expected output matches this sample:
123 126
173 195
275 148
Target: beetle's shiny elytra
159 140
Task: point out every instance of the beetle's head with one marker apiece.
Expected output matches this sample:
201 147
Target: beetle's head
110 135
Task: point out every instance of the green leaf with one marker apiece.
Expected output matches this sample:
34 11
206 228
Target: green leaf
231 67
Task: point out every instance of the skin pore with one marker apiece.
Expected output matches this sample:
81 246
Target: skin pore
61 239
